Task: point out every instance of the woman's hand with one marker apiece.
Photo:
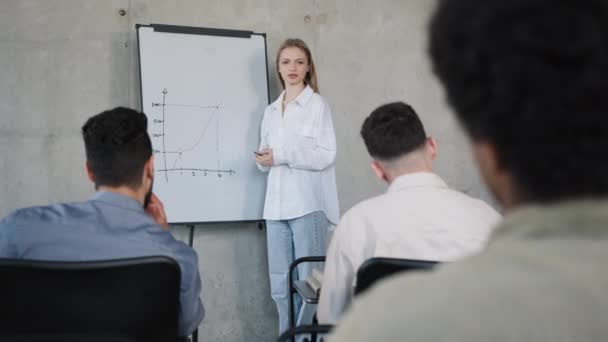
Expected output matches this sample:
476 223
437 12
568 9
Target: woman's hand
265 159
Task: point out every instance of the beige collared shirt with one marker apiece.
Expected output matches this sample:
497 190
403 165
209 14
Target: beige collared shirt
303 179
542 278
418 218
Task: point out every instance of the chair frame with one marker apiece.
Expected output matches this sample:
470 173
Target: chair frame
314 329
291 289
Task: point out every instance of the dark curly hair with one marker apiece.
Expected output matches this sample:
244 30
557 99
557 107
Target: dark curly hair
392 130
117 146
530 77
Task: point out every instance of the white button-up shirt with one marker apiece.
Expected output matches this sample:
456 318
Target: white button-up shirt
418 218
303 178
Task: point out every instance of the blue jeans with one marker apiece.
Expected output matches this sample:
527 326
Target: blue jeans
288 240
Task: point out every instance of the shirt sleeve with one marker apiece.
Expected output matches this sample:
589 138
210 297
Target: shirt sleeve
338 277
191 306
316 156
263 140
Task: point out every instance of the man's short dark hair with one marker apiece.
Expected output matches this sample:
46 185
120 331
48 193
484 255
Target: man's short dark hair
392 130
531 77
117 146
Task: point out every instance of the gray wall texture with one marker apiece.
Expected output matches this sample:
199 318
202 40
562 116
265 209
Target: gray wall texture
65 60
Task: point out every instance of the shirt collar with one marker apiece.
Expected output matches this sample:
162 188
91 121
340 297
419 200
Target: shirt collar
580 219
117 199
415 180
302 99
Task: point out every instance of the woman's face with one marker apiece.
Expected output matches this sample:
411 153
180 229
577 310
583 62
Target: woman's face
293 65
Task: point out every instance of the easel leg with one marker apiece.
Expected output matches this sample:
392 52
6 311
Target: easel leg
191 238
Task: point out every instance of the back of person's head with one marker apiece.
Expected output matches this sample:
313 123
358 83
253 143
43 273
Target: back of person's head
393 130
117 147
529 77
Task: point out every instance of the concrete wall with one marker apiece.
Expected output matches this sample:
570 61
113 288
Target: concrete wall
65 60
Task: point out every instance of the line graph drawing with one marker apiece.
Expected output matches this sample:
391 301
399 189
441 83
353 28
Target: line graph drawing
172 146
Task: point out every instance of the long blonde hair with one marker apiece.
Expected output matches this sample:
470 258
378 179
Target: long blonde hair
311 76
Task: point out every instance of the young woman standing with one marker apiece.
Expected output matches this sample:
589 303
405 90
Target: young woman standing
298 150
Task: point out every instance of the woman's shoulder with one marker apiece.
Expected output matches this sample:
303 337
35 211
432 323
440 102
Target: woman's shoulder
318 101
271 107
276 103
317 97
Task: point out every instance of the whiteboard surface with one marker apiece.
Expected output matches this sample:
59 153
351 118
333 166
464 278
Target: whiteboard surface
204 97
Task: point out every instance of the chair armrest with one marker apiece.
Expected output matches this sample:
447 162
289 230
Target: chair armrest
290 286
298 261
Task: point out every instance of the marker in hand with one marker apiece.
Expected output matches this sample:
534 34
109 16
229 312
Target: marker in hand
264 157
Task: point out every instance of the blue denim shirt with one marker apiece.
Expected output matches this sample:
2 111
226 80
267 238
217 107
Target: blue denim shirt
108 226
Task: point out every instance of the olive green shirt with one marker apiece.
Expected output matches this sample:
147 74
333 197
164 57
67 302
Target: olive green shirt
543 277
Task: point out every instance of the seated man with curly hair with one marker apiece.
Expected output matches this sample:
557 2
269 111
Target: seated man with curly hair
528 80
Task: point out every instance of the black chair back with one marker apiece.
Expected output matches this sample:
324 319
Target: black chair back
375 269
133 299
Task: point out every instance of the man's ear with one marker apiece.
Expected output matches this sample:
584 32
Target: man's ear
149 167
487 159
379 170
90 173
431 146
495 174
